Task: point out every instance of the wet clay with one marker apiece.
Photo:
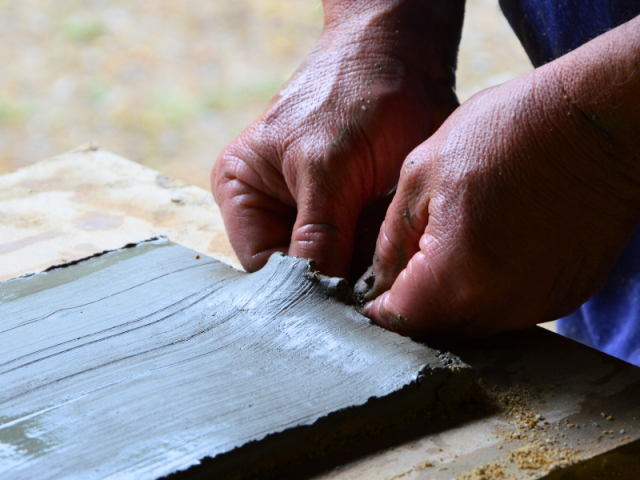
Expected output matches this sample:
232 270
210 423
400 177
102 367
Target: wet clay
152 360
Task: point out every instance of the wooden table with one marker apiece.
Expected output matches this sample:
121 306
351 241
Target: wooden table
88 201
552 399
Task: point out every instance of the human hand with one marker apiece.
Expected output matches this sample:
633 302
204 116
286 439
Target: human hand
313 175
514 212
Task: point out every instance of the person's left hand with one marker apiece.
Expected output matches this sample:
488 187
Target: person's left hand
512 214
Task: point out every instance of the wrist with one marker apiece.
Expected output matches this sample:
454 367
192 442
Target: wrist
423 34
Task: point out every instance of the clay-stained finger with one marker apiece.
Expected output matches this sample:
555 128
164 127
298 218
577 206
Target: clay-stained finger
400 233
325 232
257 224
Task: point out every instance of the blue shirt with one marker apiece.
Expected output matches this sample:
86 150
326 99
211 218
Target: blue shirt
548 29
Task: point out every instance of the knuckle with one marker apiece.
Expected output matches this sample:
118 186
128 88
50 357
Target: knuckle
324 242
316 233
226 164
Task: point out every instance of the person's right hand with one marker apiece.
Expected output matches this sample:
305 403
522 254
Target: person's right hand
312 176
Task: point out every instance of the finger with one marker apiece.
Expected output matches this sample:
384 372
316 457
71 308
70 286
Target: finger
411 267
449 288
256 206
325 230
366 236
413 305
398 240
257 224
431 296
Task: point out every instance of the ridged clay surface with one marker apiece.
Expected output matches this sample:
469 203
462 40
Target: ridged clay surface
142 362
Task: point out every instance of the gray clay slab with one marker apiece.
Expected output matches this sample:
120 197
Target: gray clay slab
144 361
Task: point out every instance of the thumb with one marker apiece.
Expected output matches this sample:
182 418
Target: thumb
414 299
420 281
437 293
325 232
398 240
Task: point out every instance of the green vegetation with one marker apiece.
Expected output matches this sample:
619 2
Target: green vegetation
83 29
226 99
11 112
176 108
97 89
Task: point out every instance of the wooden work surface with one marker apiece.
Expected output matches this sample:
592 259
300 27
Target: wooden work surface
88 201
554 402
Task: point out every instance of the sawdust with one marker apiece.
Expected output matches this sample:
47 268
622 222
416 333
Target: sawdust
531 443
490 471
541 448
417 468
539 455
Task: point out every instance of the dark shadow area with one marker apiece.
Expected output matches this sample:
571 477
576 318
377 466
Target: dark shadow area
505 357
532 360
621 463
311 467
348 435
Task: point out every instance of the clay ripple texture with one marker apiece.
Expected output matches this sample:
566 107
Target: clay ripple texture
146 361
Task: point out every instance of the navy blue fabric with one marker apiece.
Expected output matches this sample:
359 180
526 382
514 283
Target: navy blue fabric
610 321
548 29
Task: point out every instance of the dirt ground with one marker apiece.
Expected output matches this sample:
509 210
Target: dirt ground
168 83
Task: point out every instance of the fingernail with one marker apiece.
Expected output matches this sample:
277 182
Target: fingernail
397 323
363 287
384 318
373 310
387 320
364 309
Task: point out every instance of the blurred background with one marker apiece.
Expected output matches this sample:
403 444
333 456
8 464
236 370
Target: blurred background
168 83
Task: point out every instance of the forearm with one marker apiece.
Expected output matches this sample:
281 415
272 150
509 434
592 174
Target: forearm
603 76
423 33
598 92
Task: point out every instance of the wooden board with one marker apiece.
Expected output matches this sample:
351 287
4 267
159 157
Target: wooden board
88 201
144 361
